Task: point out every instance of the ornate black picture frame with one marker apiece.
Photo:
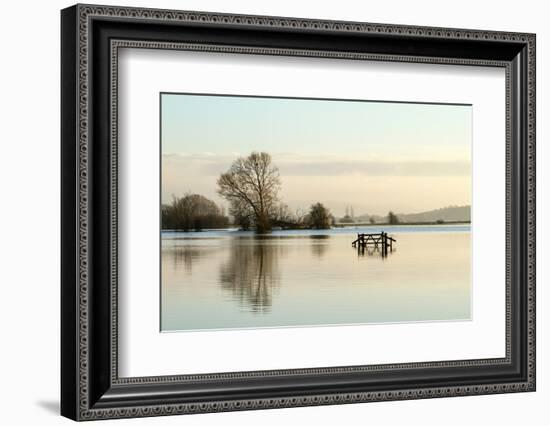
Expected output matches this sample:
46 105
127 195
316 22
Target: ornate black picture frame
91 36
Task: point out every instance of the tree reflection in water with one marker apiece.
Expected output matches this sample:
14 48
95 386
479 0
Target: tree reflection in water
189 255
186 256
252 271
319 245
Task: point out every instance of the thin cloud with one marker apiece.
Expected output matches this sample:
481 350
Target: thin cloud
370 168
209 164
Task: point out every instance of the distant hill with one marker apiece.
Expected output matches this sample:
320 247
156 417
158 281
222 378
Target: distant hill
445 214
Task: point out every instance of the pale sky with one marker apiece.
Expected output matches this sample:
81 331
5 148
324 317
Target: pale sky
374 156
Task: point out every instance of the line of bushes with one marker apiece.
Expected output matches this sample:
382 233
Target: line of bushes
193 212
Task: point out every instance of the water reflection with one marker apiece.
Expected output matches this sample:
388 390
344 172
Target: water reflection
319 245
252 272
186 257
373 251
235 280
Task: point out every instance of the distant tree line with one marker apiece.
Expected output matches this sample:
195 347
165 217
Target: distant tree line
193 212
251 187
392 218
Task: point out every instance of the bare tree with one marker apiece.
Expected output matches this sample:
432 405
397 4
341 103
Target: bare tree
243 215
251 185
283 216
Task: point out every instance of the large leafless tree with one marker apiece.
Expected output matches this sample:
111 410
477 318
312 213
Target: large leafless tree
251 186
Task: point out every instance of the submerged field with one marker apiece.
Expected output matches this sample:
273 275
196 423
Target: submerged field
228 279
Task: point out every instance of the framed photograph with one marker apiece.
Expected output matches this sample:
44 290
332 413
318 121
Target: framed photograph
263 212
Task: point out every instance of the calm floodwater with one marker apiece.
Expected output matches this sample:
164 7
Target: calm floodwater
230 279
